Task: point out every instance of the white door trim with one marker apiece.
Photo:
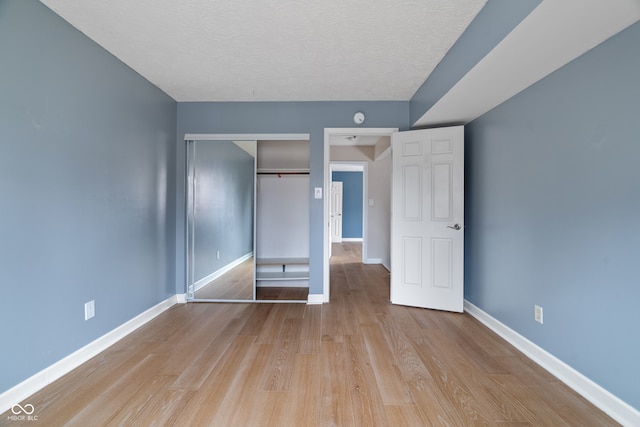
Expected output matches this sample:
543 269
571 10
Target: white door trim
328 132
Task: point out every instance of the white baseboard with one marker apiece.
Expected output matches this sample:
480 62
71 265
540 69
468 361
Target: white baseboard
352 239
613 406
373 261
213 276
45 377
315 299
181 298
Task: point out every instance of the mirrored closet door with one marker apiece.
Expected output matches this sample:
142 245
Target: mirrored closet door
221 185
247 220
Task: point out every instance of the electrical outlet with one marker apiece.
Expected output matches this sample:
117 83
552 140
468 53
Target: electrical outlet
217 254
538 313
89 310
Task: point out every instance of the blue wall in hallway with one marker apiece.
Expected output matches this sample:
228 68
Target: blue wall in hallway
87 177
351 203
553 202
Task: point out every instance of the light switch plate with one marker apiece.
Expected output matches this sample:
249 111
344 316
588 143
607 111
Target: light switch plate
318 193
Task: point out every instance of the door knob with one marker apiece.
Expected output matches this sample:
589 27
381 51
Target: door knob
455 227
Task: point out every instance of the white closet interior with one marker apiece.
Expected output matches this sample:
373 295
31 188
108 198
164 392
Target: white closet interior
282 214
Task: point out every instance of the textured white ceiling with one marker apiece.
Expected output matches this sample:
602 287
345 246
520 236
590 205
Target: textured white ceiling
276 50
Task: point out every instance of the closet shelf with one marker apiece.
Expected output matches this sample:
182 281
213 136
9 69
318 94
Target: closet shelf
282 275
282 261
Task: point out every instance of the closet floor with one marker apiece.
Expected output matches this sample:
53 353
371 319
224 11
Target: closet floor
280 293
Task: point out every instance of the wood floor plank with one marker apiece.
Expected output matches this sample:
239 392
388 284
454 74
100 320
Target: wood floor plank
435 409
193 341
402 321
332 327
311 330
405 416
266 409
526 371
405 355
198 366
537 411
245 388
335 408
491 400
204 405
303 406
130 413
364 313
256 318
277 374
53 402
451 388
101 409
364 392
273 324
422 318
574 409
393 388
165 410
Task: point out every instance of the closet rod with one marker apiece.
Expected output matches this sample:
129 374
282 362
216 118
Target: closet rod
283 173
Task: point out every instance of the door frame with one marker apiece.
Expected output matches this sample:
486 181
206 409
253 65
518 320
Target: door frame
328 133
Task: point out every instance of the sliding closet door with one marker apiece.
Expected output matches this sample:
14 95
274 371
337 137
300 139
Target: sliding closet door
220 220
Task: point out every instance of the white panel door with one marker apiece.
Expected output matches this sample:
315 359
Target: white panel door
427 224
336 212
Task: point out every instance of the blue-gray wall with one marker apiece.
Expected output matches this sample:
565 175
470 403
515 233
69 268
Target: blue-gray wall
351 203
553 213
87 183
278 117
223 214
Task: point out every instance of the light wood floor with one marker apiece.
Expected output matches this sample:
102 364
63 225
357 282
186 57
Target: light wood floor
356 361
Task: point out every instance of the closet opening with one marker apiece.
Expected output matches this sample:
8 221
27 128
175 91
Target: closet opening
247 218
